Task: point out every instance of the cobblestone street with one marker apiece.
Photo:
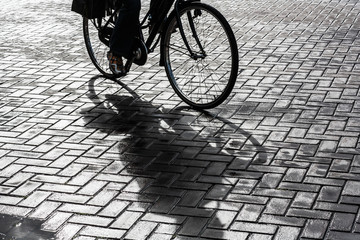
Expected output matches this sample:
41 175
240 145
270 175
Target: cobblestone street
84 157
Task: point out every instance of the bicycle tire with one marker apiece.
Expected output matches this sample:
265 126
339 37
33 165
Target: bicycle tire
96 48
204 83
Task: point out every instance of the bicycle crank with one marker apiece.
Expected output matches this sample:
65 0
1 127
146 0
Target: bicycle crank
140 52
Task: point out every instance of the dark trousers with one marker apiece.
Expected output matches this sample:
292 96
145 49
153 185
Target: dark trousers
126 28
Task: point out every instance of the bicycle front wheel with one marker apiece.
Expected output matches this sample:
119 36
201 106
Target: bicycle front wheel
206 78
97 36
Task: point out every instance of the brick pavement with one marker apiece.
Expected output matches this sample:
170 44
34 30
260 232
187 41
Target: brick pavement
94 159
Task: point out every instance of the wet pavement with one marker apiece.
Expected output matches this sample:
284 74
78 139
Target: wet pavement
84 157
12 227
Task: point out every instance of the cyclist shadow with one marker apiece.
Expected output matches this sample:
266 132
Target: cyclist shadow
179 178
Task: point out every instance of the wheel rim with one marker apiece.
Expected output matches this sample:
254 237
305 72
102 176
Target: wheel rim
205 81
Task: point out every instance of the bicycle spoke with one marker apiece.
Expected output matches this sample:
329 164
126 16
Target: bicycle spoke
175 47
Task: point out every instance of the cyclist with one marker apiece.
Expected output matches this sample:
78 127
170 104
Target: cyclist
126 28
121 41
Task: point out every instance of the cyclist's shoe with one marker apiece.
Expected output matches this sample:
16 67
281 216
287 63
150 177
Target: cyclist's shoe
116 65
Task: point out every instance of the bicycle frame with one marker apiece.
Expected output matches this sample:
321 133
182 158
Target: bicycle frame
162 23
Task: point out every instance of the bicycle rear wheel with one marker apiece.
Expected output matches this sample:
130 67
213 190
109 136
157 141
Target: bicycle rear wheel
205 79
97 36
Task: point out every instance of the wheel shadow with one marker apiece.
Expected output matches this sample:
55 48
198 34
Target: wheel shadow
182 169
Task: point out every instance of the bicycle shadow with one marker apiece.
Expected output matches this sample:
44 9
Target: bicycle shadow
179 168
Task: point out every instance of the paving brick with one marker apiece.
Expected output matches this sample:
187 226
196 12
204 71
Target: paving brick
162 218
169 229
299 187
217 234
45 209
329 194
126 220
52 179
159 236
164 204
6 190
218 192
92 187
328 146
56 220
250 213
191 198
257 236
114 208
270 180
69 198
68 231
342 221
335 207
140 197
294 175
319 170
350 200
141 230
245 186
82 178
193 226
352 188
324 182
34 199
77 208
59 188
281 220
254 227
277 206
221 205
342 235
246 199
43 170
84 238
91 220
72 170
103 197
273 193
113 177
305 213
315 229
188 211
137 184
215 168
287 233
223 219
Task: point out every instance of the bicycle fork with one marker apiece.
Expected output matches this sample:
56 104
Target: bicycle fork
197 13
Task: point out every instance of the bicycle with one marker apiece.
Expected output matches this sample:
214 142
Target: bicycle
197 48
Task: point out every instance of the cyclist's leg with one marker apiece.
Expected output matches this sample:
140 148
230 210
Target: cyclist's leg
126 28
158 10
